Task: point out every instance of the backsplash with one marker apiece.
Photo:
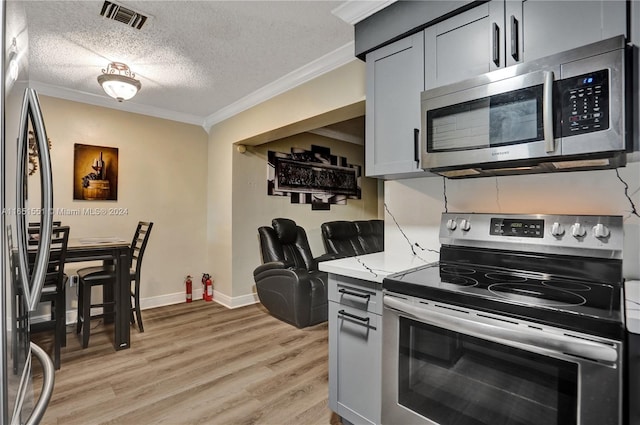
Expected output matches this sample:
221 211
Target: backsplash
413 206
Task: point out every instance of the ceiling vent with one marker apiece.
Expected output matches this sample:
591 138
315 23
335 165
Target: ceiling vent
116 12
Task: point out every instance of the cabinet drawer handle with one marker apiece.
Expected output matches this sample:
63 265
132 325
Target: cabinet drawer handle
354 294
353 316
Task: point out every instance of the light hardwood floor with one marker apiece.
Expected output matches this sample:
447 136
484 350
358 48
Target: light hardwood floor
197 363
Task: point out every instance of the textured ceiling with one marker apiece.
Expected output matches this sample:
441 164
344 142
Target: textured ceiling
192 57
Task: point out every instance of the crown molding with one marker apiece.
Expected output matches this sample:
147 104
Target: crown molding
354 11
338 135
339 57
107 102
333 60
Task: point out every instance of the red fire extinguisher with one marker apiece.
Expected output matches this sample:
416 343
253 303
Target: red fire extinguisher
207 283
189 289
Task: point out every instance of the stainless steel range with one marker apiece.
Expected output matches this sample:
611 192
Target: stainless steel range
520 322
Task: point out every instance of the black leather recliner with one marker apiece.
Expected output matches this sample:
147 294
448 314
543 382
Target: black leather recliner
288 282
350 238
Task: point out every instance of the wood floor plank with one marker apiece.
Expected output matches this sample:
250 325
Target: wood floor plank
197 363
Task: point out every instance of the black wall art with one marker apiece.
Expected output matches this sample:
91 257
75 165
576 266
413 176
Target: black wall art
313 177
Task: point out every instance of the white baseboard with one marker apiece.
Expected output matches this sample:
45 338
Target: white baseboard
169 299
180 297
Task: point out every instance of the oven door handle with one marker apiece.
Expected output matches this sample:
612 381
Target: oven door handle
502 333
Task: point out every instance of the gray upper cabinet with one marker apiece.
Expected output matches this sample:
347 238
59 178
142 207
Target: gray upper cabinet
506 32
635 39
483 38
395 78
548 27
466 45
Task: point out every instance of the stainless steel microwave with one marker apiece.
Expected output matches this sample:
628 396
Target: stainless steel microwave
563 112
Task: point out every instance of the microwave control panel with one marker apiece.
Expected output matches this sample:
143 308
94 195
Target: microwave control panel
585 103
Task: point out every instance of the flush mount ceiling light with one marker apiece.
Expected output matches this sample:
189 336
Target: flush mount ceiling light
118 81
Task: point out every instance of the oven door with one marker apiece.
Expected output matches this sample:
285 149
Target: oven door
450 365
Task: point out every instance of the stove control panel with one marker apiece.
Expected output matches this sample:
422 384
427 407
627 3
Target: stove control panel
587 235
517 227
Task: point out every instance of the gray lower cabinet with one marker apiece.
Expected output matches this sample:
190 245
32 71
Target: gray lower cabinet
355 349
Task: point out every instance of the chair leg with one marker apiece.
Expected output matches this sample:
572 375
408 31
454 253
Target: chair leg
79 318
60 331
62 310
86 316
138 312
132 311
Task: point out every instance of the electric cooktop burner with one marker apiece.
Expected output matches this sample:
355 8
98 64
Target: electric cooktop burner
536 294
557 301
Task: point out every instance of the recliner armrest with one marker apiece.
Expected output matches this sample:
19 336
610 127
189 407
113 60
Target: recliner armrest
273 265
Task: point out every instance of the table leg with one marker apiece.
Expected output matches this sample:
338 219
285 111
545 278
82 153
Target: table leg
108 296
123 302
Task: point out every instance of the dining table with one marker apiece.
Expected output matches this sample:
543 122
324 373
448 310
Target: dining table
116 251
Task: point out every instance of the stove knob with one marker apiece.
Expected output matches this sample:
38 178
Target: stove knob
451 224
465 225
557 229
578 230
601 231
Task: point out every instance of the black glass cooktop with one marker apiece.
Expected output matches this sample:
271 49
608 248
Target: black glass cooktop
579 304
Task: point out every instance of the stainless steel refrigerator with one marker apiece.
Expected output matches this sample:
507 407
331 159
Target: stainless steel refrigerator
23 140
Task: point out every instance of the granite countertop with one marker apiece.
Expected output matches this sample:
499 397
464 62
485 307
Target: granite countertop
632 305
373 267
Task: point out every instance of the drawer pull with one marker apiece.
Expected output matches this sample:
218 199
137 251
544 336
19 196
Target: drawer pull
353 316
355 294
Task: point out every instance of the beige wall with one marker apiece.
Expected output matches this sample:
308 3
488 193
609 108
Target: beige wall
252 207
162 169
233 177
418 203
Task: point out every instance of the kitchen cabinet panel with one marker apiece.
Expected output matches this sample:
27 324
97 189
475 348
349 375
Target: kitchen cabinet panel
507 32
356 293
548 27
489 36
355 350
395 78
635 40
465 45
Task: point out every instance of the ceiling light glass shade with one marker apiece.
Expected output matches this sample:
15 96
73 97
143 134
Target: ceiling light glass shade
118 81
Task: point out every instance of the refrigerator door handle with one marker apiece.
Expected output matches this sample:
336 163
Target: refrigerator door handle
48 379
32 286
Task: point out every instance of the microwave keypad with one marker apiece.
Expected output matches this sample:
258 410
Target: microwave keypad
585 103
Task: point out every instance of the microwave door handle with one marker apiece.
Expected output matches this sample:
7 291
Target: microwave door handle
551 342
547 112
